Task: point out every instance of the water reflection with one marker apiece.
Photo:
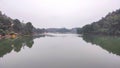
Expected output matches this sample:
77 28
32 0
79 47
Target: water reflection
60 52
7 45
111 44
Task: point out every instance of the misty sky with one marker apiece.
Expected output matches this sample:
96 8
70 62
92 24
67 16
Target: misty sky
58 13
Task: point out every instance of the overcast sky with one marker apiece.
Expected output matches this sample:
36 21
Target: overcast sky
58 13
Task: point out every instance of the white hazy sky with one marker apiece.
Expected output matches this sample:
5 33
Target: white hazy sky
58 13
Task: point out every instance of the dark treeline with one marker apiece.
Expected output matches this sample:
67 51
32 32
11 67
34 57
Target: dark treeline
60 30
8 25
108 25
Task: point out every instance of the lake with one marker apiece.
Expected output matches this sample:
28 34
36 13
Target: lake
60 51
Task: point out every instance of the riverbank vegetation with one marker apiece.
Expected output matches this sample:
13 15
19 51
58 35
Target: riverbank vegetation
108 25
14 27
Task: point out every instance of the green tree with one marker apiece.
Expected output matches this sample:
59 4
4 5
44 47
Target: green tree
17 27
29 28
2 32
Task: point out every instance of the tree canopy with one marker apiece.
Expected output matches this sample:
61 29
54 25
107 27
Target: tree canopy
8 25
108 25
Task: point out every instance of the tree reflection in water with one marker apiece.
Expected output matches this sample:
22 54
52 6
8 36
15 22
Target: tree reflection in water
7 45
109 43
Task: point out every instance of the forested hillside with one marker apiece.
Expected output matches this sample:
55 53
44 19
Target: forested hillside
108 25
9 25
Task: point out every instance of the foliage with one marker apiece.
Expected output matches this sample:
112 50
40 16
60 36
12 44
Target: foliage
60 30
38 30
108 25
79 30
2 32
17 26
8 25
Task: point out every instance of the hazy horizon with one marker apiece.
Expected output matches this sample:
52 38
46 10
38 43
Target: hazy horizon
58 13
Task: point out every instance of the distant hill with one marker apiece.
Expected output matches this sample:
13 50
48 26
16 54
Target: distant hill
108 25
60 30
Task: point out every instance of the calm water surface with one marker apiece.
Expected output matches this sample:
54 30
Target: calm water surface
60 51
